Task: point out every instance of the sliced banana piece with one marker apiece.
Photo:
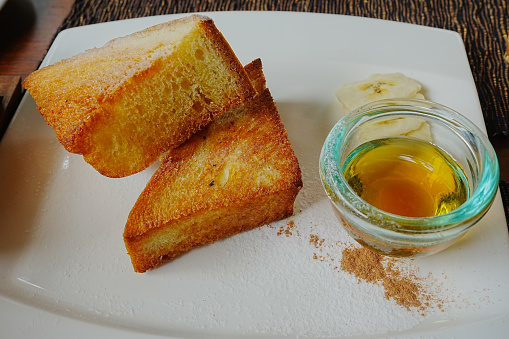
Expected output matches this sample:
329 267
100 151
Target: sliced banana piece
377 87
385 86
423 132
394 127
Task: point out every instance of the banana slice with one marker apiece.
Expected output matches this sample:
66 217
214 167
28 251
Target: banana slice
395 127
385 86
377 87
423 132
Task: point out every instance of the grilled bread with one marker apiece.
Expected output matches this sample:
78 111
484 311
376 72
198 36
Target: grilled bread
124 104
238 173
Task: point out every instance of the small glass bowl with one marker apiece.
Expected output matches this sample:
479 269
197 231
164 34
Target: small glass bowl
400 236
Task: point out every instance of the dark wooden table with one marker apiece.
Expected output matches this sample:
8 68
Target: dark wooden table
27 28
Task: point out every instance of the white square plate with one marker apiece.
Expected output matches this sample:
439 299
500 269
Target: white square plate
64 267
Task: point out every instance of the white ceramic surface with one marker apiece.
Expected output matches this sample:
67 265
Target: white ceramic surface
64 268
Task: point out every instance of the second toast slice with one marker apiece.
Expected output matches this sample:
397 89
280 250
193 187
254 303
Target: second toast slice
239 173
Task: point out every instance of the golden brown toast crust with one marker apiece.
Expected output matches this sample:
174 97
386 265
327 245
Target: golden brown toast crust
238 173
102 104
255 72
207 227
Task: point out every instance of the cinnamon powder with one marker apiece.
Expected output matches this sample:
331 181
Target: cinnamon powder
404 288
288 230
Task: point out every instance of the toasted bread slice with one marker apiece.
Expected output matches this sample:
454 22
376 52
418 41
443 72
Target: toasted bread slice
238 173
124 104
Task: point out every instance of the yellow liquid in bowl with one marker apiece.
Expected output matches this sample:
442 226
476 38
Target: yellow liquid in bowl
407 177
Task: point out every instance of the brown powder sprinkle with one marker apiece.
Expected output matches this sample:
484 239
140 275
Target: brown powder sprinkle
364 264
315 240
372 267
290 226
404 286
